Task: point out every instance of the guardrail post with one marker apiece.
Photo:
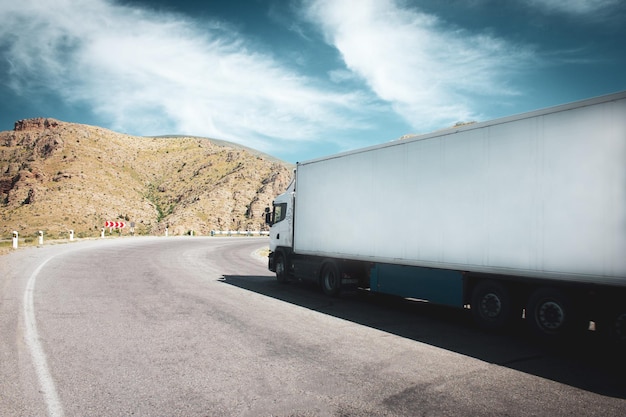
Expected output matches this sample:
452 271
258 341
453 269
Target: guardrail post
15 237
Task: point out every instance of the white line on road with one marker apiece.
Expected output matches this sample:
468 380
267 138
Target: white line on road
46 382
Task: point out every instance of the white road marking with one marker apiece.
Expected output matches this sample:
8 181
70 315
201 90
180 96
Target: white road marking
46 383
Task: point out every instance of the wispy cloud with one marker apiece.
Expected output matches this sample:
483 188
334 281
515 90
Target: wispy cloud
423 66
574 7
154 73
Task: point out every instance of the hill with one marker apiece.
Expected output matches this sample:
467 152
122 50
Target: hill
57 176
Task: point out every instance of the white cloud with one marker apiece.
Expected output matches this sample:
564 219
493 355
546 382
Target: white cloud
576 7
414 61
154 73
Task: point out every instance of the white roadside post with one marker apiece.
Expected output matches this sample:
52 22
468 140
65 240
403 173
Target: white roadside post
71 235
40 242
15 235
166 231
102 233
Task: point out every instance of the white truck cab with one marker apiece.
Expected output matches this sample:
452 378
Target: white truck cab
281 230
280 220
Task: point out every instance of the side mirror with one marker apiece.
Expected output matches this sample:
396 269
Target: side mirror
268 216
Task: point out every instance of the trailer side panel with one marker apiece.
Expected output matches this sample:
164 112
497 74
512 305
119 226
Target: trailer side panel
540 195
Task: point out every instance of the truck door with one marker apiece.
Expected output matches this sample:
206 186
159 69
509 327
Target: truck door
281 233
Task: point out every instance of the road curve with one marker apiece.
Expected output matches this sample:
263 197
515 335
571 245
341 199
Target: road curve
194 326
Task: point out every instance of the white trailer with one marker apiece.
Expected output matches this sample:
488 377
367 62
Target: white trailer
520 215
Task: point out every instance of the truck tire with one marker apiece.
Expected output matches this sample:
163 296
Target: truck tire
550 314
491 305
617 331
613 327
281 268
330 280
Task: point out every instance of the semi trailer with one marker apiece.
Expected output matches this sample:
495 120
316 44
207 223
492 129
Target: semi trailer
522 217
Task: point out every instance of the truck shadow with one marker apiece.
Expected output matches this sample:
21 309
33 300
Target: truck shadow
587 362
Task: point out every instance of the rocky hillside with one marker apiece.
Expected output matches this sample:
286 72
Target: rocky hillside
57 176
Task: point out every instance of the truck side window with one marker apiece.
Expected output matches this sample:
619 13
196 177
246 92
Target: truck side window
280 212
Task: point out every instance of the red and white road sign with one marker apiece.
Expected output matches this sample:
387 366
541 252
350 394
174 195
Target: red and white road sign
115 225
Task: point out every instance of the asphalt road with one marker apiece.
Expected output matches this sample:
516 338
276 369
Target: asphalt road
198 327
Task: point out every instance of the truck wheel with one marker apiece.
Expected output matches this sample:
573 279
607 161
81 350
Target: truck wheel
618 328
281 268
613 327
550 313
491 305
331 280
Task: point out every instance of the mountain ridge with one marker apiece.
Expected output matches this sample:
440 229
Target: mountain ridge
58 176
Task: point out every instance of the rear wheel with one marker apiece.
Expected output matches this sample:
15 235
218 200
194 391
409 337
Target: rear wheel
330 279
618 328
550 313
491 305
613 326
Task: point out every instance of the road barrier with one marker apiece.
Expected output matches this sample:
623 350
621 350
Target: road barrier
71 235
15 239
240 232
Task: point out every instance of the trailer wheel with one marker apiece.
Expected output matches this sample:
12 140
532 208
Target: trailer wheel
550 313
491 305
613 327
617 331
330 279
281 267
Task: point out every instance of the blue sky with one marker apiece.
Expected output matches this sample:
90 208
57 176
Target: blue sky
302 79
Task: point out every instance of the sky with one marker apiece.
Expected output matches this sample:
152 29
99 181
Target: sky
302 79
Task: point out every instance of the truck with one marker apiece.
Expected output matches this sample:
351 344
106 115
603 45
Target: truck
519 218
